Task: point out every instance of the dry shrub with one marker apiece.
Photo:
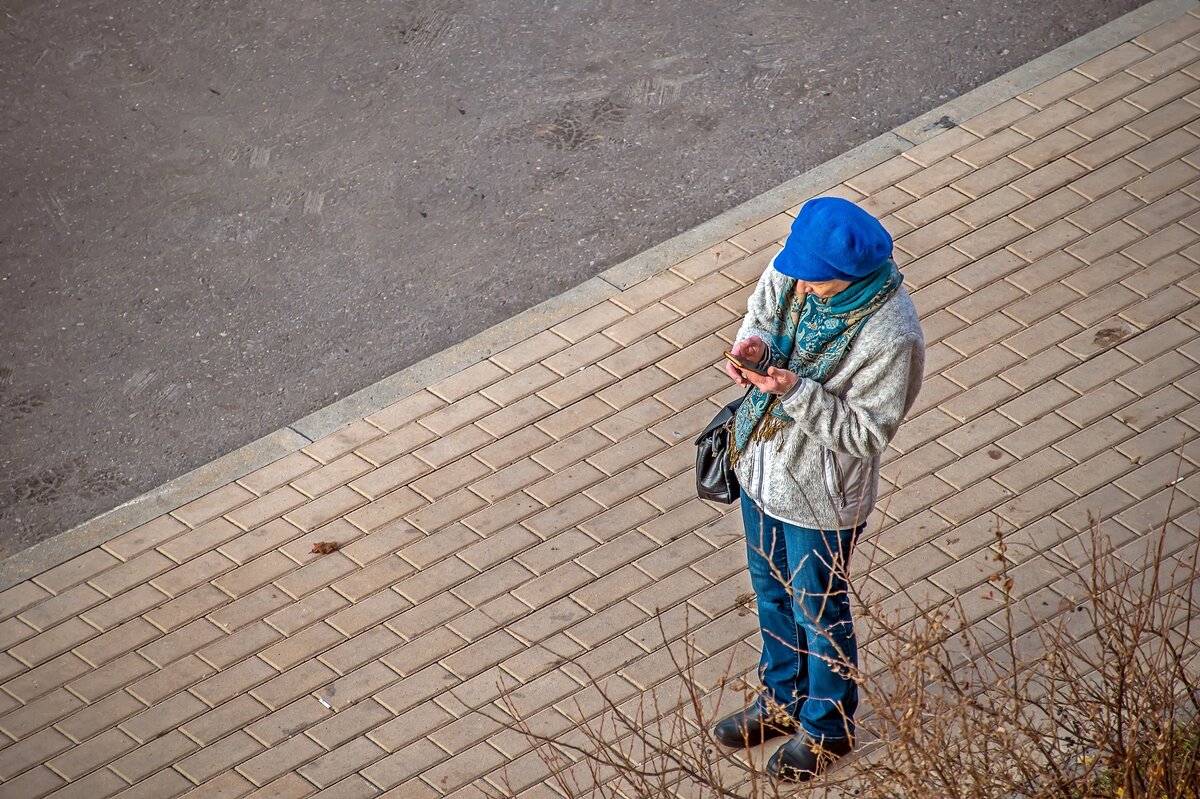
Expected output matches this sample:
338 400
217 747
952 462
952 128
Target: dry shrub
1086 687
1094 694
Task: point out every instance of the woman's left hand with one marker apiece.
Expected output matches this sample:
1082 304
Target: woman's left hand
776 381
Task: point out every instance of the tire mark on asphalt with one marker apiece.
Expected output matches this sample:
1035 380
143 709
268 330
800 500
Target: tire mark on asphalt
658 92
53 208
142 382
578 125
259 156
63 480
22 404
767 75
425 31
138 382
314 201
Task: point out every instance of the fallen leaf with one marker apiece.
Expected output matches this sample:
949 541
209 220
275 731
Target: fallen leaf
1109 336
325 547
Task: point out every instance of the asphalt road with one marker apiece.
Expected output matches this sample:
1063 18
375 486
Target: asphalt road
220 216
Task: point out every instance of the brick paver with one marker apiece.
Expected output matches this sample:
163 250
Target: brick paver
530 521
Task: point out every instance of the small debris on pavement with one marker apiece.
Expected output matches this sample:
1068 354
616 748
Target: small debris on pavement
1109 336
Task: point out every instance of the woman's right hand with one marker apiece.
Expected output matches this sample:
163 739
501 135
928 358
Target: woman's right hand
750 350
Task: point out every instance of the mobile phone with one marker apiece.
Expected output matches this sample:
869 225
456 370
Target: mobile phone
745 367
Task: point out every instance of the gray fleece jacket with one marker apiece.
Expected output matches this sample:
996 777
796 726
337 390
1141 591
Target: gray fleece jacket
822 472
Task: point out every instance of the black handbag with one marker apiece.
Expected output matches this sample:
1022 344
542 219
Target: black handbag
715 479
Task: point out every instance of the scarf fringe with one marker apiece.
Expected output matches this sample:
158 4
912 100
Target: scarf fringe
768 427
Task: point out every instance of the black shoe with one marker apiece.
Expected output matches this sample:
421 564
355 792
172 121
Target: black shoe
802 758
752 726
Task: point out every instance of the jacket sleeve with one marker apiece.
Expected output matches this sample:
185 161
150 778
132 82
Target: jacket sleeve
862 421
760 310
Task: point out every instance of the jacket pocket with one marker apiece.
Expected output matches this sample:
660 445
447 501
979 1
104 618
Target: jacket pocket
852 485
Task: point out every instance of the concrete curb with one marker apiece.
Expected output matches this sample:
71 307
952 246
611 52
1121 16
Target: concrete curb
545 315
139 510
757 209
445 363
1042 68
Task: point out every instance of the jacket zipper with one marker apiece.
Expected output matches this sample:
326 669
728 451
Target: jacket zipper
841 479
760 472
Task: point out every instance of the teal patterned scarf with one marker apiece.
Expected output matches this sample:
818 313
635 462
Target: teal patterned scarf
810 338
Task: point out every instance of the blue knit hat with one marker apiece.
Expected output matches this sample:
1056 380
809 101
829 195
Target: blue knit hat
833 239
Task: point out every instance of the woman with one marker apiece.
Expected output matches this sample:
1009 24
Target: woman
837 336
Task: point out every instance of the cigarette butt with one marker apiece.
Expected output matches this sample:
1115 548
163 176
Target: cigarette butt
323 702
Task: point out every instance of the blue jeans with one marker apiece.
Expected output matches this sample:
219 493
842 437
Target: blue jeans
799 579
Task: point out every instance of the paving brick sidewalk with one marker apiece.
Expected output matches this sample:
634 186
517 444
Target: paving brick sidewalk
537 510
